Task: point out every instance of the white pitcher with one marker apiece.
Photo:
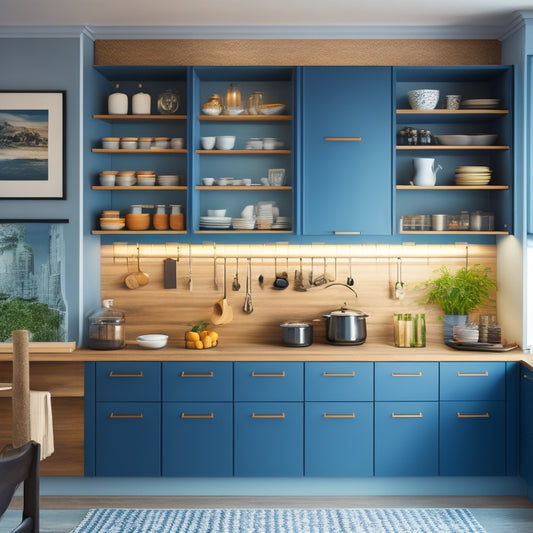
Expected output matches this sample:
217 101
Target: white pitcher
425 172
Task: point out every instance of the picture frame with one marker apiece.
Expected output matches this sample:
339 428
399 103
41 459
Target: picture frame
32 144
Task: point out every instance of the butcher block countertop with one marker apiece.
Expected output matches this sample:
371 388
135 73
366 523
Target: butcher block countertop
369 351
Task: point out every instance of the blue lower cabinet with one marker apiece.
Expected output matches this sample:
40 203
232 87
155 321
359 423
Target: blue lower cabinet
472 438
197 439
128 439
268 439
339 439
406 438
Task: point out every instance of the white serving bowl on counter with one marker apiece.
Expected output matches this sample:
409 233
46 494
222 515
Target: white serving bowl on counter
153 342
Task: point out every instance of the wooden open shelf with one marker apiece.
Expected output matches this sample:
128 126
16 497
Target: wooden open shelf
133 118
245 118
452 187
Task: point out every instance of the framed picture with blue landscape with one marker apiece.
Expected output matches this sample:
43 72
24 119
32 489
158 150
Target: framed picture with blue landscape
32 141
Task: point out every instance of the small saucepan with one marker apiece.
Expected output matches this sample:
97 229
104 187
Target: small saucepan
296 334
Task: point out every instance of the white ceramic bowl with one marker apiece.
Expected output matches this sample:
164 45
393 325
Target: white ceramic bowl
423 98
207 143
454 140
224 181
107 180
484 140
161 143
111 143
129 143
208 181
125 181
225 142
177 143
146 180
216 212
112 224
168 180
153 342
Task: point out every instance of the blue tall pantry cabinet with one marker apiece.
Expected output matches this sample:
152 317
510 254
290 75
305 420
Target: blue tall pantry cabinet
346 159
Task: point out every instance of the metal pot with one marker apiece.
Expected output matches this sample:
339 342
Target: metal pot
297 334
346 327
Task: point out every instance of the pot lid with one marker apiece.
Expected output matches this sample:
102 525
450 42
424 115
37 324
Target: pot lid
295 325
347 312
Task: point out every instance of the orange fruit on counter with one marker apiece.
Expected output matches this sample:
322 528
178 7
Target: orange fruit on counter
192 336
191 345
198 345
213 335
206 341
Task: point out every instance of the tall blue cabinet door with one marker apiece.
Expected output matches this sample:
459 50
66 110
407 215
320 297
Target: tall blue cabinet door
128 439
339 439
406 438
472 438
347 161
268 438
197 439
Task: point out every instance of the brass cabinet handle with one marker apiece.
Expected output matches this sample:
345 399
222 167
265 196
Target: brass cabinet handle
267 375
280 415
481 415
138 415
338 374
112 374
473 374
205 375
397 375
346 233
525 376
416 415
343 139
209 415
349 415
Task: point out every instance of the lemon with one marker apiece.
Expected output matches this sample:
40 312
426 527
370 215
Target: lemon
199 345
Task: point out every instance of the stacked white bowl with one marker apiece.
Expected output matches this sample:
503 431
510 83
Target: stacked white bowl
225 142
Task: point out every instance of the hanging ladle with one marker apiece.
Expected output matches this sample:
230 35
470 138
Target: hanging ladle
248 307
236 285
222 311
349 279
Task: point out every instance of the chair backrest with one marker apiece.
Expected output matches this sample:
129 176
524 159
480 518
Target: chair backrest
19 465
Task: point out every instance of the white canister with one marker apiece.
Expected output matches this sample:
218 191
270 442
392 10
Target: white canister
141 103
117 103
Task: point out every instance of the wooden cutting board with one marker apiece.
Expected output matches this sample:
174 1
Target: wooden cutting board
42 347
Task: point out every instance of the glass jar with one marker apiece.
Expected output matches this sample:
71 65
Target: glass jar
168 102
106 328
233 99
409 330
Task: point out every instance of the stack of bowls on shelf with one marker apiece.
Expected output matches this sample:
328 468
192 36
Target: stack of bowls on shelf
168 180
110 220
145 177
107 178
472 175
126 178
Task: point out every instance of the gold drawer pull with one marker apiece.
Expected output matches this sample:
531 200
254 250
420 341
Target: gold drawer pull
338 374
260 375
185 415
113 415
280 415
343 139
482 415
397 375
350 415
473 374
346 233
525 376
136 375
419 415
206 375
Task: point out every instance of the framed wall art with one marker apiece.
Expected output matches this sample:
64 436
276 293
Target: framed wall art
32 142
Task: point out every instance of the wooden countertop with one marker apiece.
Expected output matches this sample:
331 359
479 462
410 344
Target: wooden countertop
369 351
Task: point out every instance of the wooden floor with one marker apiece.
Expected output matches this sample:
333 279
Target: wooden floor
60 514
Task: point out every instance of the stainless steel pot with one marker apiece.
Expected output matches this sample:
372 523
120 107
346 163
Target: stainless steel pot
297 334
346 327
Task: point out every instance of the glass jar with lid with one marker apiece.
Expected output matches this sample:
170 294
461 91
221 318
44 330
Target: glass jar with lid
106 328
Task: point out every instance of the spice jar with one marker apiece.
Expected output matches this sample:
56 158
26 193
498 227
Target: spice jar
160 218
106 328
177 217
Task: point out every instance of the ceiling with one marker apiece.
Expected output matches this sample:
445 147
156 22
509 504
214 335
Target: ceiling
275 13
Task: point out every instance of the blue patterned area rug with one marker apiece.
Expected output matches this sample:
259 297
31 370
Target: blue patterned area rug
279 521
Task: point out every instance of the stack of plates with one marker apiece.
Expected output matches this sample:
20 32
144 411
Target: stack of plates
215 222
467 334
282 223
243 223
472 175
481 103
265 215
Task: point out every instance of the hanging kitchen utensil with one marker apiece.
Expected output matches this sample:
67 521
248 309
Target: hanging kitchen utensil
299 279
282 279
236 285
222 311
248 307
399 291
190 267
215 281
169 273
349 279
134 280
322 279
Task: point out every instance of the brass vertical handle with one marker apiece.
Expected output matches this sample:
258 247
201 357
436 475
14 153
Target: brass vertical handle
113 374
416 415
268 375
338 374
473 374
343 139
481 415
280 415
397 375
204 375
187 416
348 415
525 376
138 415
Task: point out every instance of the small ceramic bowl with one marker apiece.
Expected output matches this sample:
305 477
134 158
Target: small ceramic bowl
223 181
107 180
125 181
161 142
111 143
216 212
143 179
423 98
153 342
112 224
111 213
225 142
145 143
168 180
207 143
177 143
208 181
129 143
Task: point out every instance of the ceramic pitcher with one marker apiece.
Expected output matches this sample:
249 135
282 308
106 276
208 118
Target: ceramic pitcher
425 171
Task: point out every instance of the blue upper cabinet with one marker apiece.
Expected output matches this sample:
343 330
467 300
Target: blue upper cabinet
346 158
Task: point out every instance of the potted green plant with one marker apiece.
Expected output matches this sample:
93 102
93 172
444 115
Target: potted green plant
458 294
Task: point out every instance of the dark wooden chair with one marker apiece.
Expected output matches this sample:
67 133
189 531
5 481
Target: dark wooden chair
19 465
